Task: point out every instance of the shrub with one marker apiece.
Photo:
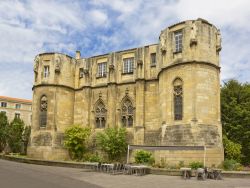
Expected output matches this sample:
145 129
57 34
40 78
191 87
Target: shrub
93 158
230 164
113 142
76 141
3 130
144 157
195 165
15 133
232 149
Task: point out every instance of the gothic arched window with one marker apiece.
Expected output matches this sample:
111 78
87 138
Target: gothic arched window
100 115
178 99
43 111
127 115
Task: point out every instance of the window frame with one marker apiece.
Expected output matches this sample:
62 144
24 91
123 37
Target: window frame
81 72
128 65
126 114
46 71
4 106
178 99
18 106
153 60
102 70
178 41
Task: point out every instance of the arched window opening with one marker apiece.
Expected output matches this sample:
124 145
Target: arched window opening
178 99
43 111
127 116
100 115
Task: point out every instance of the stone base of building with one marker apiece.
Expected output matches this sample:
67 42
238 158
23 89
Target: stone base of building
48 153
212 157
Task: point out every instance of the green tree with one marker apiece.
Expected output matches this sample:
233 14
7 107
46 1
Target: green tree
113 142
235 111
76 141
232 149
3 129
15 132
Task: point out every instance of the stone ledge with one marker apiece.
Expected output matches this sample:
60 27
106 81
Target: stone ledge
156 171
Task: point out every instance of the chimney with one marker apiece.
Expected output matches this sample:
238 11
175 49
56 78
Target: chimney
78 54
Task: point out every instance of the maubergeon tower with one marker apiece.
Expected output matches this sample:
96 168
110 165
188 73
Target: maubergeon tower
165 94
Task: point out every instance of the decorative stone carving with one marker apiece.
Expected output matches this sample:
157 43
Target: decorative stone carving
139 62
111 67
193 34
218 41
58 65
44 104
86 72
36 65
163 42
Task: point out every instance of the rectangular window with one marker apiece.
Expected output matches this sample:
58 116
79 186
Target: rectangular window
46 71
81 73
17 115
102 69
4 104
178 41
153 59
128 65
3 112
18 106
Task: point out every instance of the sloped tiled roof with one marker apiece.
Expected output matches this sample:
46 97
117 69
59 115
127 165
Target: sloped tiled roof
15 99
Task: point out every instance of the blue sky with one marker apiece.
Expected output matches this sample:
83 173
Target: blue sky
94 27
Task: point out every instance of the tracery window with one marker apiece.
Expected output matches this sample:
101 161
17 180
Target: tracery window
43 111
127 116
100 115
178 99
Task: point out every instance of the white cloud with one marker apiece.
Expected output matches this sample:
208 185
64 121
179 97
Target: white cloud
100 26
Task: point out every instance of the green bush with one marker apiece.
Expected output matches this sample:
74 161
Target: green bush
113 142
144 157
76 141
232 149
195 165
3 130
230 164
15 134
93 158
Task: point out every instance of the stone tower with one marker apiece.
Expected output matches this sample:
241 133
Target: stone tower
165 94
53 104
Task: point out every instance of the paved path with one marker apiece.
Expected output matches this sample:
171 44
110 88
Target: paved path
22 175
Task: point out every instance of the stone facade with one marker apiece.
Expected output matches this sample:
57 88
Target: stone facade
15 107
164 94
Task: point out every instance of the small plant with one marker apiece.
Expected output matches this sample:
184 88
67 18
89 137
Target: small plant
230 164
144 157
76 138
93 158
195 165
